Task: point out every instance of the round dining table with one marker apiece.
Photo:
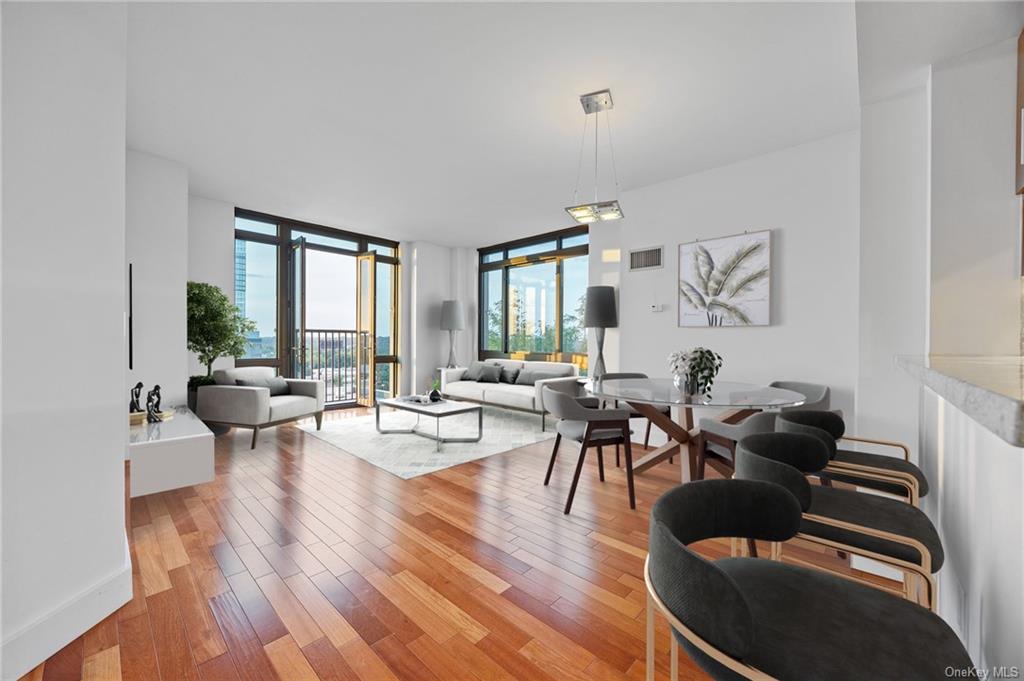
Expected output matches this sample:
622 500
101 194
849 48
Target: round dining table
650 396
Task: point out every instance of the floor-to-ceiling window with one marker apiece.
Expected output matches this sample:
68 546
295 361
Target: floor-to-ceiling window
531 297
298 282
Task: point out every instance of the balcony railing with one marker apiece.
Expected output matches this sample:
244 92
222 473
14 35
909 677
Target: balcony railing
331 357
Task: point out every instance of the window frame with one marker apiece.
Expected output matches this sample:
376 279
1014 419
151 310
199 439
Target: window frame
285 227
505 264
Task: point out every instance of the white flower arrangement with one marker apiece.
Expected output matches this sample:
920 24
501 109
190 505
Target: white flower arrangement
694 370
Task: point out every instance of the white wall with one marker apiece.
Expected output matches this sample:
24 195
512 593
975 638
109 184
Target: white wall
156 222
894 168
432 274
211 256
65 558
975 247
808 195
976 504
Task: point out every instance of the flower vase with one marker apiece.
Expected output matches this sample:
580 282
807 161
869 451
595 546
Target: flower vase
686 384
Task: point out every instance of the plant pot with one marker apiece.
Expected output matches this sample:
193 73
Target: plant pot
686 385
193 396
435 396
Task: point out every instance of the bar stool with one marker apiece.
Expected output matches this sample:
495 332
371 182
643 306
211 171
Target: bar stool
883 529
761 619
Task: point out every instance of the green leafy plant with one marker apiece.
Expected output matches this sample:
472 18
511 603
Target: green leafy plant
194 382
695 370
436 385
719 288
216 327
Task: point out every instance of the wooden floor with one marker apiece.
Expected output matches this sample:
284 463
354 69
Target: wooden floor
302 562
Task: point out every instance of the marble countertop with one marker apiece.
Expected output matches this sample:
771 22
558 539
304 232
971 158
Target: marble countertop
988 389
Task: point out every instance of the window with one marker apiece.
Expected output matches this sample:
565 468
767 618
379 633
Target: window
256 295
320 239
256 226
532 294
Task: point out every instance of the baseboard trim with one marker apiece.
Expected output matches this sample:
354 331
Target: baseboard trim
25 649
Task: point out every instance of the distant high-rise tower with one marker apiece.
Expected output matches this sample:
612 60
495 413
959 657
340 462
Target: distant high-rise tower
240 275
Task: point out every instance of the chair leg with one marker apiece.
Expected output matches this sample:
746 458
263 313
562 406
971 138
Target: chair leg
600 464
554 453
255 432
647 435
576 477
751 548
702 449
617 455
629 465
649 671
543 422
319 419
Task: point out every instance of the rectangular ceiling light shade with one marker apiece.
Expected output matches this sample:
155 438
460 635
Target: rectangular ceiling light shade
592 212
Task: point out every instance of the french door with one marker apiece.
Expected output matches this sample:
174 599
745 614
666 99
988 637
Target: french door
366 332
297 308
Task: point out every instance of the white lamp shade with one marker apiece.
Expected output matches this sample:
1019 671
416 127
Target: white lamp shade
452 317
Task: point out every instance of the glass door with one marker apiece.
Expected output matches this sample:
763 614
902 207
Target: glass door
366 336
297 308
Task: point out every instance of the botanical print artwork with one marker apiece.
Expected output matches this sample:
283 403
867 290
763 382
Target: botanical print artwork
725 281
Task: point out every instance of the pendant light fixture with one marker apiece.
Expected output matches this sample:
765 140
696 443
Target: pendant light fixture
594 103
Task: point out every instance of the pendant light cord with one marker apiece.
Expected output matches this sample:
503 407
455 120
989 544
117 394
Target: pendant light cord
596 126
611 148
579 164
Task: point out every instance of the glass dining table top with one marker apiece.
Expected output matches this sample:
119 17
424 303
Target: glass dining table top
663 392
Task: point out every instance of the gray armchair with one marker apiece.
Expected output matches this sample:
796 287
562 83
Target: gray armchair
583 421
266 401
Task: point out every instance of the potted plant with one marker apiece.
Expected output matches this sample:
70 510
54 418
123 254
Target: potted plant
694 371
435 391
216 328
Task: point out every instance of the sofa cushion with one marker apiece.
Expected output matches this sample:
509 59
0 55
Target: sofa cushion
504 395
277 385
232 376
555 369
283 407
473 372
529 377
470 390
509 374
490 374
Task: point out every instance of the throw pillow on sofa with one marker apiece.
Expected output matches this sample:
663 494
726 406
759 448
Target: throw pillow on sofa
473 372
531 377
490 374
509 374
277 385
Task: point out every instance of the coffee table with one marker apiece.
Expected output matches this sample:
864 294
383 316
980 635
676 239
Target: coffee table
436 410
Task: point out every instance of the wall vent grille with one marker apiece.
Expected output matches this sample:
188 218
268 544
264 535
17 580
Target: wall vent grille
646 259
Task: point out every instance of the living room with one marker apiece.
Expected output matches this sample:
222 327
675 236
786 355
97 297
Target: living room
416 340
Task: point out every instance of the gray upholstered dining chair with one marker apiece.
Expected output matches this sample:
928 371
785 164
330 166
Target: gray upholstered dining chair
581 420
763 619
889 474
633 413
883 529
817 396
716 440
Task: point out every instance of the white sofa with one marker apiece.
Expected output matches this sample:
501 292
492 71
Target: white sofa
527 398
230 404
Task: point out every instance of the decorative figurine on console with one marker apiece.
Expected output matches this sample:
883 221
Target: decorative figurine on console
153 405
133 406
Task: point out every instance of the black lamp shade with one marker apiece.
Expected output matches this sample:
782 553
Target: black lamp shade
600 311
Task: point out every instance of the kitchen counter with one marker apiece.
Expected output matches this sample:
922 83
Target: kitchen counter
989 390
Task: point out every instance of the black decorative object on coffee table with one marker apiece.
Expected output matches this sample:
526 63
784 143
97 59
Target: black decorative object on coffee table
133 406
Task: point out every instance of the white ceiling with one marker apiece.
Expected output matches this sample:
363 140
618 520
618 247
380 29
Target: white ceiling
898 41
459 123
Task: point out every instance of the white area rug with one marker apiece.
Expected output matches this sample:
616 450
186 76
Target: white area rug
409 456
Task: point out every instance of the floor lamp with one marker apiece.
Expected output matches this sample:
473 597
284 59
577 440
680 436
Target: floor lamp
600 313
452 320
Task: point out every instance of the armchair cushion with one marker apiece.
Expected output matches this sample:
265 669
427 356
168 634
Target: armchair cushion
276 384
238 404
287 407
309 388
574 430
232 376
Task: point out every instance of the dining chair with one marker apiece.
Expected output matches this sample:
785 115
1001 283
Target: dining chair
583 421
716 440
633 413
763 619
889 474
877 527
817 397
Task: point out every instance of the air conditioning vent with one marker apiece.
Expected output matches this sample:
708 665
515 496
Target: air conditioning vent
646 259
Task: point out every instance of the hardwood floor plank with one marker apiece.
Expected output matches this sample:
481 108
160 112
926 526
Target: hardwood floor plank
172 649
364 622
402 661
103 666
170 542
365 662
335 627
136 649
66 663
151 561
442 607
200 626
101 636
258 611
297 621
247 653
220 668
288 660
327 662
